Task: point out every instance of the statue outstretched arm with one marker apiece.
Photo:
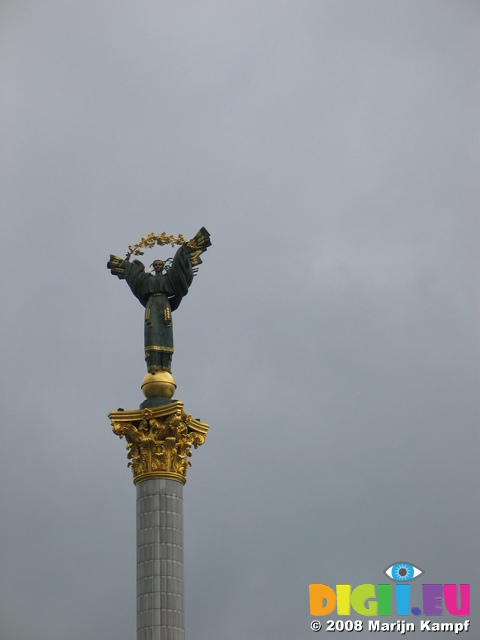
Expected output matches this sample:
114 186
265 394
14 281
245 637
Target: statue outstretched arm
116 266
196 246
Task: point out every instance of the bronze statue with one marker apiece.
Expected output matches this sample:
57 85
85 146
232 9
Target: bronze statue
161 292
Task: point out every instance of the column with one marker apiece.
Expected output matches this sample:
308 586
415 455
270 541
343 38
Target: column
159 444
160 587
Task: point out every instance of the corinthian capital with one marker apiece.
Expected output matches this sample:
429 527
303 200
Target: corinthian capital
159 440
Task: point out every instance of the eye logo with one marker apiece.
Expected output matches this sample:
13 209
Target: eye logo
403 572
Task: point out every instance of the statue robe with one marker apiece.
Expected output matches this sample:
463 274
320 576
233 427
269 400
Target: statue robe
160 295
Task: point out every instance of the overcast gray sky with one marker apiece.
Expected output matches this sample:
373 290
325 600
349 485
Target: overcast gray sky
330 339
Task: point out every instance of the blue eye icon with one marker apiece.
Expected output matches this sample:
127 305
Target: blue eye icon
403 572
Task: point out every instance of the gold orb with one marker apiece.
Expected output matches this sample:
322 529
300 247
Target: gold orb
158 385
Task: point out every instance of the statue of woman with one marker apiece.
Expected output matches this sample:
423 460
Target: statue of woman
161 293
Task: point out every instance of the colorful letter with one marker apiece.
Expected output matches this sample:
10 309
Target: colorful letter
384 592
362 595
450 595
322 599
343 599
402 594
432 596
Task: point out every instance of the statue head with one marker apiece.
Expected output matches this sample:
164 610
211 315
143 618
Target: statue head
158 266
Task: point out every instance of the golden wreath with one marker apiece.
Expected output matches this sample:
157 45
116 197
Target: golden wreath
150 241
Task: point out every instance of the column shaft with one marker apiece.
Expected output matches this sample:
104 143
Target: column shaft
160 590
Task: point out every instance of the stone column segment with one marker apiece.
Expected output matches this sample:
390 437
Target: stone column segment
160 570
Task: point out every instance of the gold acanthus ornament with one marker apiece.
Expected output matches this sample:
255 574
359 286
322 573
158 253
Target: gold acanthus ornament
159 440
